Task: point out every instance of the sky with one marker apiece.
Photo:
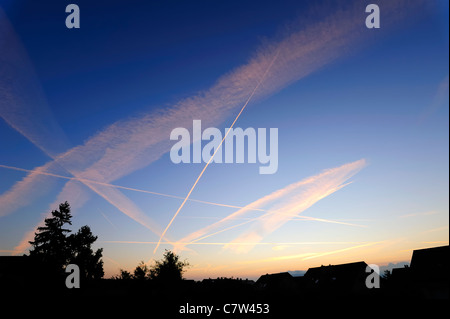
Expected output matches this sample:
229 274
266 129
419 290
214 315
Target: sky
362 119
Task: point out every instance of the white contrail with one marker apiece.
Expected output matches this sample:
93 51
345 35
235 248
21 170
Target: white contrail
41 172
89 181
216 150
107 219
290 200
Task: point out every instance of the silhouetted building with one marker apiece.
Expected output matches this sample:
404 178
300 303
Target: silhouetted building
279 284
281 279
339 280
426 277
431 261
429 269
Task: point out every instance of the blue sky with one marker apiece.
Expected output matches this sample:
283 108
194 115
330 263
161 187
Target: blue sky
351 104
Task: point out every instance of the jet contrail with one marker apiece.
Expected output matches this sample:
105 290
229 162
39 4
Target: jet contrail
340 250
312 255
215 151
293 218
262 217
290 200
107 219
83 180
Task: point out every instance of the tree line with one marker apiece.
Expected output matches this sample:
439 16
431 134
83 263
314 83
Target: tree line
170 268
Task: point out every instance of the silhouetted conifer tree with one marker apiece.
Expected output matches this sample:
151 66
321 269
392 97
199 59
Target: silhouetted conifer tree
54 249
50 245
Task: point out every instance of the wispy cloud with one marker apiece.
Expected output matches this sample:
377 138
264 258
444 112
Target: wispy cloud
338 251
312 254
282 205
436 242
428 213
435 230
37 172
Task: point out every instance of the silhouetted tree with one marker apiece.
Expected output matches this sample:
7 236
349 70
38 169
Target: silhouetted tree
90 263
55 249
141 271
50 243
124 275
170 268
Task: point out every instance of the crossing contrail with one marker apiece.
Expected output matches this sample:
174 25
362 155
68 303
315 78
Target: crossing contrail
84 180
263 217
291 201
41 172
220 145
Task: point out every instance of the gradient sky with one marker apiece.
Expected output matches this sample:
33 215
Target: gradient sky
362 116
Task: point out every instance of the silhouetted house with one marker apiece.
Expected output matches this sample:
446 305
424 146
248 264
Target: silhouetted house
276 282
426 277
338 280
429 270
303 285
431 261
